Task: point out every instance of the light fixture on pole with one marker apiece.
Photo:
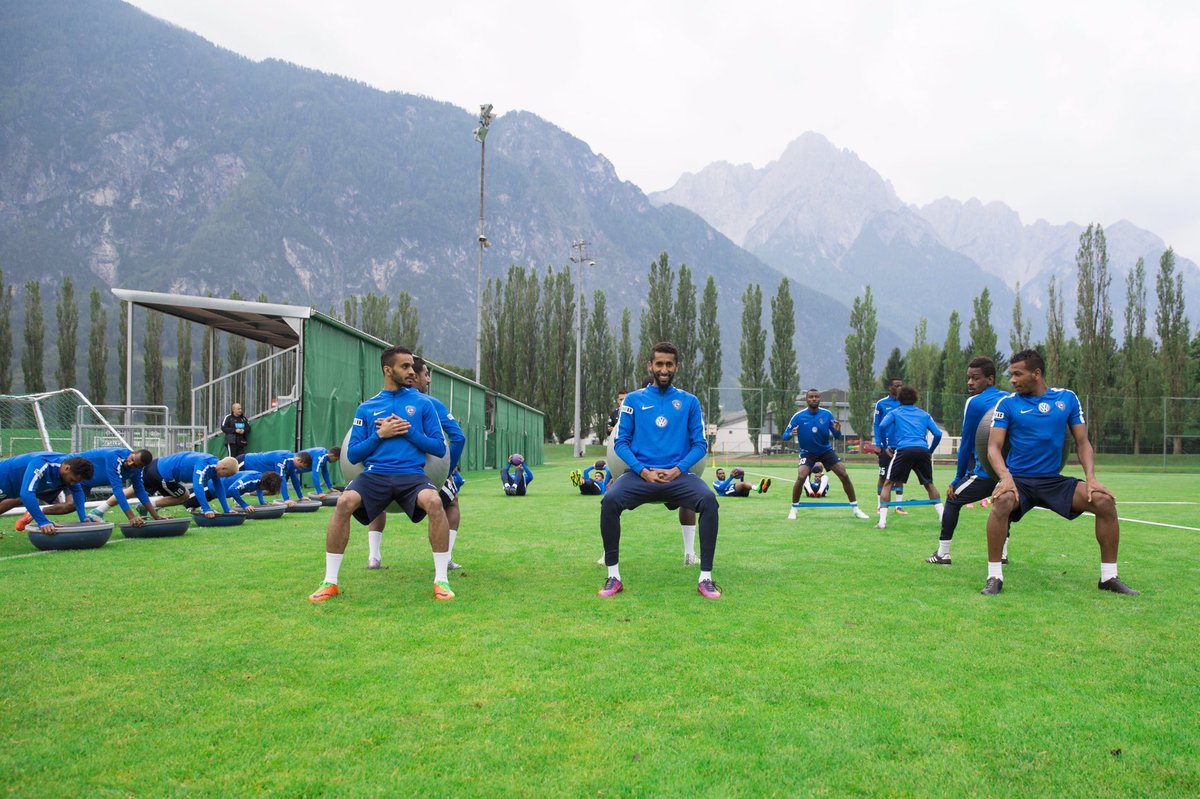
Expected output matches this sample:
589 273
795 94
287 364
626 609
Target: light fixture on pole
485 120
581 258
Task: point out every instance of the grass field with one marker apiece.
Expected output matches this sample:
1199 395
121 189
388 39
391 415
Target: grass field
837 663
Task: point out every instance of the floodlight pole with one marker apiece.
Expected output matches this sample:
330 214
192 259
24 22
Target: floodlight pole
580 257
485 120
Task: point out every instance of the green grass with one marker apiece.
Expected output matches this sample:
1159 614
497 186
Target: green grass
838 662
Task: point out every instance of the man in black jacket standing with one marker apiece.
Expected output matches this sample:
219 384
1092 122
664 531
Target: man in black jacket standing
237 431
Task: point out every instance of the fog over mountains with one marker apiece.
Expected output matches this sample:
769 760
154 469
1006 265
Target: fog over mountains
821 215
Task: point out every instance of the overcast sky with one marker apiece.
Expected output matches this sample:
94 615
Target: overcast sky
1081 111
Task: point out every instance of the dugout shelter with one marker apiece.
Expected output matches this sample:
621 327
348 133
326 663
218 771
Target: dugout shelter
307 374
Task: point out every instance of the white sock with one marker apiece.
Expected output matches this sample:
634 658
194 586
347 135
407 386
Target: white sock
453 535
614 571
1004 554
333 563
688 531
995 570
705 576
883 515
441 561
1107 571
944 548
375 541
940 508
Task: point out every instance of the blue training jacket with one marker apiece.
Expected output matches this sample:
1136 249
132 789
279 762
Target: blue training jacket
399 454
882 408
905 428
27 476
108 468
458 441
814 431
660 429
279 461
199 469
974 410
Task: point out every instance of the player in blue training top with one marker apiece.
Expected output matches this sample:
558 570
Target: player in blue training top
883 407
319 460
904 429
1034 421
111 466
391 434
244 481
288 465
815 429
449 490
38 477
593 480
971 481
660 436
735 485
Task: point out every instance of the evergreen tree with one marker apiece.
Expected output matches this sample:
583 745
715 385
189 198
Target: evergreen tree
152 375
894 367
33 358
97 349
630 376
685 337
1019 336
406 322
1093 320
753 351
785 369
954 379
1138 380
599 368
983 335
658 319
183 371
1171 323
1056 355
920 365
860 363
6 342
709 376
66 314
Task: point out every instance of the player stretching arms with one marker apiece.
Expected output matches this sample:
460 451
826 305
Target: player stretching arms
815 428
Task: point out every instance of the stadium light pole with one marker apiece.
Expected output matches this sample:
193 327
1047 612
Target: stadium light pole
485 121
581 258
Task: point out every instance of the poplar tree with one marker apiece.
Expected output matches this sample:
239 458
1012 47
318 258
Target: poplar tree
6 341
1138 381
1093 321
785 369
753 351
66 314
1018 337
954 376
1173 335
685 337
97 349
709 376
658 319
406 322
33 358
152 366
860 363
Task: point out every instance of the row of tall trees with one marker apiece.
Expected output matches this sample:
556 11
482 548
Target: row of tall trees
1122 383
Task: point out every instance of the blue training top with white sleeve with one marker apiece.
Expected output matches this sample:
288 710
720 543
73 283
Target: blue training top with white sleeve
1037 427
660 429
882 408
973 411
905 428
814 431
399 454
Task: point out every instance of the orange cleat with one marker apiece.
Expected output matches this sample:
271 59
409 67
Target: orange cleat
325 592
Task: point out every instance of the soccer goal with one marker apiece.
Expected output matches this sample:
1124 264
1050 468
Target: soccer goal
56 421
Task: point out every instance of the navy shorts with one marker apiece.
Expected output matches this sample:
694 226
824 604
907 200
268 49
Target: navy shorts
380 490
1053 493
827 459
915 460
156 485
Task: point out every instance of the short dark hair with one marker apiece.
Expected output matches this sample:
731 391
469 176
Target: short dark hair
80 467
270 482
144 457
983 364
305 460
667 347
389 355
907 395
1032 359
